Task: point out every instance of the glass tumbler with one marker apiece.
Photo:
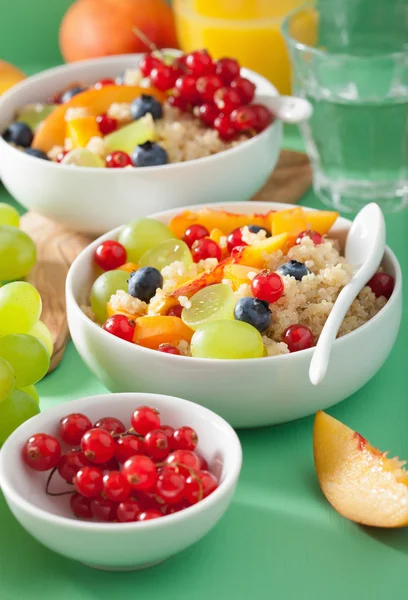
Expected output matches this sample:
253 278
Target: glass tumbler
355 74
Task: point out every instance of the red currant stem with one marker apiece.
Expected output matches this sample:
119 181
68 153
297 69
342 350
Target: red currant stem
152 47
47 491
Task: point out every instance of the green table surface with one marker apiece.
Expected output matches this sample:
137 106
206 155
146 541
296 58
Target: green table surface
280 538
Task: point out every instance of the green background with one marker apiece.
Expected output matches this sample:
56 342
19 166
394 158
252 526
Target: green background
280 538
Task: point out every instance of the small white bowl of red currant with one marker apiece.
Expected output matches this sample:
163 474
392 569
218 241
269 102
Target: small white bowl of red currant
121 481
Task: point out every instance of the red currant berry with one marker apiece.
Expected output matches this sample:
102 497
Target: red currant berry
207 113
184 438
148 63
171 486
205 248
168 431
104 510
313 235
297 337
180 63
128 511
98 446
200 486
61 155
148 515
228 69
109 255
145 419
106 124
169 349
224 127
245 118
203 464
183 461
120 326
207 86
80 506
164 77
110 424
140 471
382 284
194 233
186 85
170 509
70 463
235 239
150 501
199 63
42 452
245 89
127 446
178 102
116 487
227 100
111 465
156 444
72 428
264 117
175 311
118 160
88 482
267 286
102 82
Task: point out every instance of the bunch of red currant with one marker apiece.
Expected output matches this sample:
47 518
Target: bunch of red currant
213 90
143 473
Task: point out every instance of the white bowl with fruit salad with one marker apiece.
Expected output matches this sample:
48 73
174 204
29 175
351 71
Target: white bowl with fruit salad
97 143
208 305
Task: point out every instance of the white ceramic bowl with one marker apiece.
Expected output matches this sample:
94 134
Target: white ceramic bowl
117 546
95 200
247 393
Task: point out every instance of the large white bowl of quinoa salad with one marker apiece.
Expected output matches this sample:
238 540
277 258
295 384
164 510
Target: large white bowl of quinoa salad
202 167
259 391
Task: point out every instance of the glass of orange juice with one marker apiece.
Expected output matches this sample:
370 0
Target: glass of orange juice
248 30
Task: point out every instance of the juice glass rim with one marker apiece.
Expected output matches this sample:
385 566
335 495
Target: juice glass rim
321 52
187 10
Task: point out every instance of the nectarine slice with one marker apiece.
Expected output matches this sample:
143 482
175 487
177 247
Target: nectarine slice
359 481
295 220
97 101
238 275
110 311
150 332
128 267
80 131
201 281
321 220
254 255
216 219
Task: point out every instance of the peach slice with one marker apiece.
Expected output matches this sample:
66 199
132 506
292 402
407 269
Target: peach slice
189 288
216 235
254 255
238 275
150 332
128 267
216 219
295 220
359 481
110 311
80 131
321 220
97 101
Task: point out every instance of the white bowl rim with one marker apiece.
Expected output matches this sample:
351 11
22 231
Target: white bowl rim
74 406
112 234
112 59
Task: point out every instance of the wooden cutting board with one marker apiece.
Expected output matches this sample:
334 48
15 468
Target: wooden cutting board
57 246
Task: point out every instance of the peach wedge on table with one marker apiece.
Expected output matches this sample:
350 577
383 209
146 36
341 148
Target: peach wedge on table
254 255
216 219
358 480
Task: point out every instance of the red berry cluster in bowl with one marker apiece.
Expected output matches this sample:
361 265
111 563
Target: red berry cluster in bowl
214 91
123 475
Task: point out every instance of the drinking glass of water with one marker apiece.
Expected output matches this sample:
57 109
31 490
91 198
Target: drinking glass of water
355 74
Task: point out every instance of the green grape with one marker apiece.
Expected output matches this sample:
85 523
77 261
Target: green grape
103 288
20 307
34 114
227 339
128 137
17 253
165 253
81 157
28 357
16 409
41 331
7 379
9 215
141 235
31 390
212 303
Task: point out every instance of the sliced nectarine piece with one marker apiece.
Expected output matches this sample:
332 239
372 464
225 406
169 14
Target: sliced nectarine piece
117 311
189 288
359 481
295 220
80 131
216 235
254 255
97 101
238 274
128 267
150 332
216 219
321 220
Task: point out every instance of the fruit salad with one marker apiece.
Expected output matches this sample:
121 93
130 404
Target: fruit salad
172 108
213 284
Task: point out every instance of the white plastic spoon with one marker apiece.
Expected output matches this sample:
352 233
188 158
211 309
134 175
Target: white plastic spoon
289 109
365 247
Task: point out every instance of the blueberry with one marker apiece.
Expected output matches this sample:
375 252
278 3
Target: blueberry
149 154
143 283
19 133
71 93
36 153
254 312
146 104
295 269
256 228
